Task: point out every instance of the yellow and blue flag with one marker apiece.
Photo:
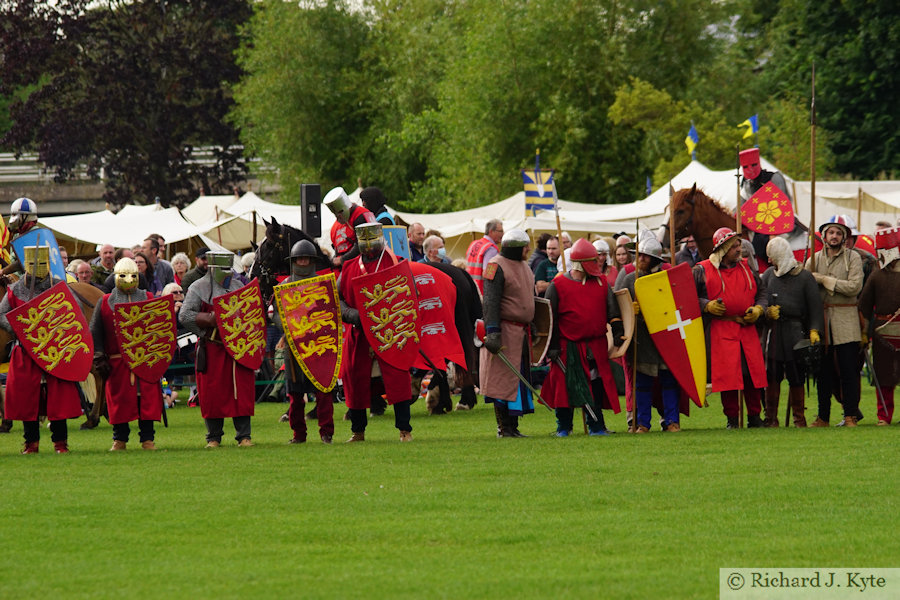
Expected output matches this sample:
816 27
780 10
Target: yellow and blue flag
752 125
692 140
538 190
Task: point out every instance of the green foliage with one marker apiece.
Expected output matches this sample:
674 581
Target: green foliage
854 46
130 89
302 106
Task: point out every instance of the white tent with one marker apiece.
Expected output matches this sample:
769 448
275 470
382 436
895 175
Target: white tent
128 227
460 227
208 209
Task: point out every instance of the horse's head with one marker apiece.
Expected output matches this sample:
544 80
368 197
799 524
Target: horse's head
683 206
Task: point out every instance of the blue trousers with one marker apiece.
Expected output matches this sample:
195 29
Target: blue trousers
644 397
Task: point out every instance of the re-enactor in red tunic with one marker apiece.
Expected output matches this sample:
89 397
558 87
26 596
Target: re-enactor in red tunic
225 387
356 364
31 392
582 303
733 298
128 397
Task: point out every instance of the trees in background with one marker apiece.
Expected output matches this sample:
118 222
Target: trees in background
441 102
129 89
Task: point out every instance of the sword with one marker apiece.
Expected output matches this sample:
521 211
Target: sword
587 405
521 377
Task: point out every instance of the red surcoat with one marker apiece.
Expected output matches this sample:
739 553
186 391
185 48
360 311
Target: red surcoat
23 387
356 363
121 387
581 319
226 388
728 338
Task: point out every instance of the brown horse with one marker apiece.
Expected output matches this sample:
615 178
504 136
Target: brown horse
698 215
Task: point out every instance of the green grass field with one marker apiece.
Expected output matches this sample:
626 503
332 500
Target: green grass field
457 513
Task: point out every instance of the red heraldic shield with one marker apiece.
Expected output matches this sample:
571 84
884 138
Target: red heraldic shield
311 316
388 304
241 323
439 336
53 331
147 334
768 211
671 309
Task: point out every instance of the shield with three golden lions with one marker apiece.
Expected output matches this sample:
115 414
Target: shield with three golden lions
53 331
146 333
669 305
241 323
387 304
311 317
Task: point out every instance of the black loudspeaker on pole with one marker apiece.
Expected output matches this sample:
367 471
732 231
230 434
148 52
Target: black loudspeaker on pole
311 206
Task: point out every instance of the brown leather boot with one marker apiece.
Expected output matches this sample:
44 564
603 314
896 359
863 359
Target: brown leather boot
849 421
796 397
30 448
773 393
118 445
61 447
819 423
357 437
148 445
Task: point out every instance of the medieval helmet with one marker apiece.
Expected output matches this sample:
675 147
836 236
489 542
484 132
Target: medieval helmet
338 203
514 238
127 276
22 211
303 248
841 221
749 160
584 253
370 238
601 246
651 247
37 261
221 266
722 236
887 244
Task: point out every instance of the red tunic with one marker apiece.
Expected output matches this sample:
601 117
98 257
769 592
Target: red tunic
356 364
728 338
23 387
226 388
122 386
581 319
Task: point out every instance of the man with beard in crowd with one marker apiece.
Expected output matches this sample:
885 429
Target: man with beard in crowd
838 272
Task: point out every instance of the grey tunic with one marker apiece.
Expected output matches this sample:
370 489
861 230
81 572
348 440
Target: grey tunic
801 310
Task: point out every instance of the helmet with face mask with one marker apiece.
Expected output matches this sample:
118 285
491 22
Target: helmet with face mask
750 163
303 249
370 238
127 276
338 203
221 267
37 261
